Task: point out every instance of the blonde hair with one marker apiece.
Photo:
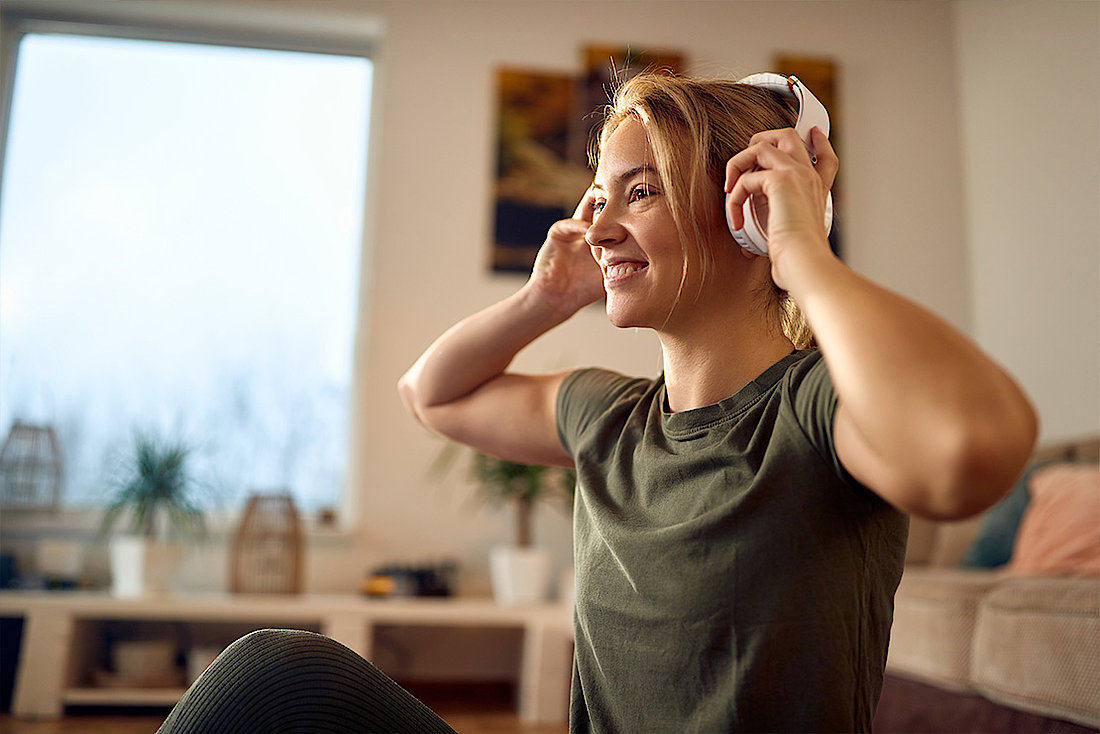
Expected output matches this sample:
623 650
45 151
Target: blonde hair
694 127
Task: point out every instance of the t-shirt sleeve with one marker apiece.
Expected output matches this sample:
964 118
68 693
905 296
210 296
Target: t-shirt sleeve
815 403
584 396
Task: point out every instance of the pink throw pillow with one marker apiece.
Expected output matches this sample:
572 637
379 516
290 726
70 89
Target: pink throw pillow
1060 532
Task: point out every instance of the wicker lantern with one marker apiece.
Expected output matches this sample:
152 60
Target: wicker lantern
30 468
267 548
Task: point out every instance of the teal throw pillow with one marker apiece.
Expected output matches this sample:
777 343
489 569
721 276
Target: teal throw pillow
997 535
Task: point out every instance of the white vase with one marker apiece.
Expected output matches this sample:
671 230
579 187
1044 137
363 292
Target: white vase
140 566
519 575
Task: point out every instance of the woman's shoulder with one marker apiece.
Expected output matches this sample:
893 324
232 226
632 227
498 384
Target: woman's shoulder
604 385
806 367
588 397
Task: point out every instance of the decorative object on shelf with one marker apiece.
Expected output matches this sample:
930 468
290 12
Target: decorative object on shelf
520 573
59 562
30 468
141 664
523 486
156 495
430 580
267 547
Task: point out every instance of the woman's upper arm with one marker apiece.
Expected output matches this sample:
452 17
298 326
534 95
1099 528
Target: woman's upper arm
512 416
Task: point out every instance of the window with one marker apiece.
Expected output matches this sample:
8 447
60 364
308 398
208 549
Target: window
180 236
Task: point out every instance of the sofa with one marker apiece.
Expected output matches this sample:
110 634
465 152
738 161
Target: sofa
997 618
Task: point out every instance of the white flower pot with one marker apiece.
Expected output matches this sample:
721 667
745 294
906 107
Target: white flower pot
140 566
519 575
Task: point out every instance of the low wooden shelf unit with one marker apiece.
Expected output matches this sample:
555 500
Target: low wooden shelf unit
61 631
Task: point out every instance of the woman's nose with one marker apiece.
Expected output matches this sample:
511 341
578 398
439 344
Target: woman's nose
604 230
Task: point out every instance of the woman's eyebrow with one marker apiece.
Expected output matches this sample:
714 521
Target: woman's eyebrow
625 176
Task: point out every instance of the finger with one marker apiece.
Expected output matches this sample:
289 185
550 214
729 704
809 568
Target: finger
764 154
735 214
586 206
569 229
827 162
747 184
785 138
736 166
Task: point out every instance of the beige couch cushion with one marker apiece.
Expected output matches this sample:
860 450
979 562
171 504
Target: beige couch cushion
1037 647
935 611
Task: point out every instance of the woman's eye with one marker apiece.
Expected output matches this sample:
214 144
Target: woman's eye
640 192
597 206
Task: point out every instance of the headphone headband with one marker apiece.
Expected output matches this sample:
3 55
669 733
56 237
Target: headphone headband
811 113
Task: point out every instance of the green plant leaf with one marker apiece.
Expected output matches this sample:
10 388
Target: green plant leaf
156 484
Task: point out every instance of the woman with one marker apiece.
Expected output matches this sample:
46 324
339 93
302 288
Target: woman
740 521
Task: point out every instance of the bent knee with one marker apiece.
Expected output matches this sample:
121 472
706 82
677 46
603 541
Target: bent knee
281 643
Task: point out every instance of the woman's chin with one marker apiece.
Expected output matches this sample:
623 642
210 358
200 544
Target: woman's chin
624 318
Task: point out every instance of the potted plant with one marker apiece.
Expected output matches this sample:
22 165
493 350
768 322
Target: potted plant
520 572
155 496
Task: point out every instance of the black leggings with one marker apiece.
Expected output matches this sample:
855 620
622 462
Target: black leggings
294 681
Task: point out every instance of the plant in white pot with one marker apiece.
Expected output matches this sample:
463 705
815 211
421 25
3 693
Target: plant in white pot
520 573
155 498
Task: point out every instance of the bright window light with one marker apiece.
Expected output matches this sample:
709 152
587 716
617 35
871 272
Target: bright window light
180 236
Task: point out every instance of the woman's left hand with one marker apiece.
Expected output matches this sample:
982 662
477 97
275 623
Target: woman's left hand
777 165
924 418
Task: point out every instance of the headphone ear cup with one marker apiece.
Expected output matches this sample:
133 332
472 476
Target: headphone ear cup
754 235
748 237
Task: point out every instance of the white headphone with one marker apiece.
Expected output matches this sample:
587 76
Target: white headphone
811 113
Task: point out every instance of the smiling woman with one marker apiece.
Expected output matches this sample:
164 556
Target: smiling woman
739 525
182 232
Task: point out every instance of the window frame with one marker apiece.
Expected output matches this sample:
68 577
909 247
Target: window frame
279 29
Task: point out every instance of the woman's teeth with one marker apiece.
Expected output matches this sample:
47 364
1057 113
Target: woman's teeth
617 271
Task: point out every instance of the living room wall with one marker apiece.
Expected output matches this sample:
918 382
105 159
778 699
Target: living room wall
1029 74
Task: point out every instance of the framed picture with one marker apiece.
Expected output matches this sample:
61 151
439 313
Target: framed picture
545 121
604 68
536 181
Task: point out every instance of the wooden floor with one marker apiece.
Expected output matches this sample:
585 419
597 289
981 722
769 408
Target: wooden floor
478 712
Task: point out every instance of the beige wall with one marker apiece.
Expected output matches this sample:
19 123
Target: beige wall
1029 79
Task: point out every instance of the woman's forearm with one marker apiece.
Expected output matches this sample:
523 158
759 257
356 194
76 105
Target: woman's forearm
474 351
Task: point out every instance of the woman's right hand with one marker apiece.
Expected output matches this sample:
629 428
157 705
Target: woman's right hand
565 277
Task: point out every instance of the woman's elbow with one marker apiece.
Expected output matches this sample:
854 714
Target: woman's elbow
983 462
406 388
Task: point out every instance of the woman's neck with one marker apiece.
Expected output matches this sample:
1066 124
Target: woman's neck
716 360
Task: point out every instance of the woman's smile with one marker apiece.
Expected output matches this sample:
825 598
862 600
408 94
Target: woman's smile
619 271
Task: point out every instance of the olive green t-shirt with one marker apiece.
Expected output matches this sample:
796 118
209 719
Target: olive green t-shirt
731 575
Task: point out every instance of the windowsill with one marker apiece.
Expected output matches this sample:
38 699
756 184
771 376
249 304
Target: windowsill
83 524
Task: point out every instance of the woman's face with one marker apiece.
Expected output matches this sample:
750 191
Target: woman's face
633 236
